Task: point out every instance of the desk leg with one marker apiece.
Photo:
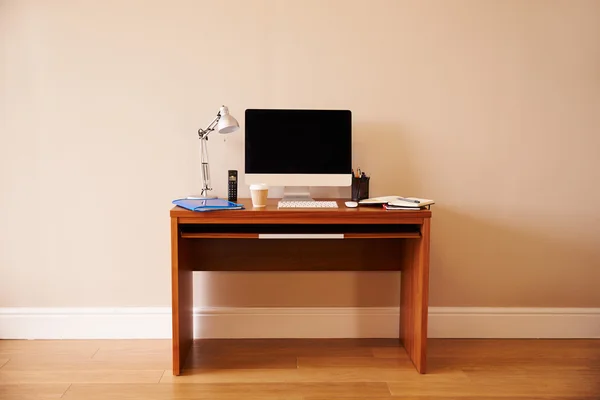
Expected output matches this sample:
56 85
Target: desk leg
182 299
414 298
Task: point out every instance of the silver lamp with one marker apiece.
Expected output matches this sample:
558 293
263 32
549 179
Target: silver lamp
224 123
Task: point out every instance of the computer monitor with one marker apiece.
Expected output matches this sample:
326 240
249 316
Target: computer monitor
298 148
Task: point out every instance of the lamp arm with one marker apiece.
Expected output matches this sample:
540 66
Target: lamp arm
205 169
203 133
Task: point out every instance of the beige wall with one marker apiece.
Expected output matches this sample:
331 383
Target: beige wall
492 108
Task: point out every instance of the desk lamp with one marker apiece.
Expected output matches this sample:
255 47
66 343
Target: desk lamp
224 123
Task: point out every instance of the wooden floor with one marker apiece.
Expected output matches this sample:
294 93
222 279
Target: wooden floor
300 369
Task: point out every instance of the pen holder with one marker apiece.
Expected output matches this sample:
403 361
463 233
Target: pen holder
360 188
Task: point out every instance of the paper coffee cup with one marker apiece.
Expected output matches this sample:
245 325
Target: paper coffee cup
259 192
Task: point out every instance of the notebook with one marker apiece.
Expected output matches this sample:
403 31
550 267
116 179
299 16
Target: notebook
389 207
398 201
198 204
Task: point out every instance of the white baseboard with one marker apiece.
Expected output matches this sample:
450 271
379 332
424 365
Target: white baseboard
309 322
515 323
85 323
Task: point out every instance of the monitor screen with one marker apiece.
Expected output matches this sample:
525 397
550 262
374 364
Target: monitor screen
298 141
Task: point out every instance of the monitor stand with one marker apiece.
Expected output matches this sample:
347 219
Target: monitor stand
296 193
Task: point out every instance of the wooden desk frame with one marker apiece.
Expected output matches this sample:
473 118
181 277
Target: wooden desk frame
373 240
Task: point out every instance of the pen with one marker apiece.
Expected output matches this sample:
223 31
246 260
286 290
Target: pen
409 200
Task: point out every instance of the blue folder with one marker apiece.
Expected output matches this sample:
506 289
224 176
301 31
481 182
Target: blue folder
207 204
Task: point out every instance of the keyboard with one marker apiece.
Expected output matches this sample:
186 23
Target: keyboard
307 204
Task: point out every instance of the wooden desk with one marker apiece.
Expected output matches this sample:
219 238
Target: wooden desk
372 239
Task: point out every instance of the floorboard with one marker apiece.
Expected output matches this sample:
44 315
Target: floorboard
299 369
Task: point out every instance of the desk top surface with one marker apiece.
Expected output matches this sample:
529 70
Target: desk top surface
271 214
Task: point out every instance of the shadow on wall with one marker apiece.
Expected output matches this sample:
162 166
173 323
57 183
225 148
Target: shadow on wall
384 152
519 260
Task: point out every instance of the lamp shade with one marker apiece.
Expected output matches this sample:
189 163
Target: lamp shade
227 123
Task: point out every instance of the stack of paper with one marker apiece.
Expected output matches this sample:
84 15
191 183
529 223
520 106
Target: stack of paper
398 202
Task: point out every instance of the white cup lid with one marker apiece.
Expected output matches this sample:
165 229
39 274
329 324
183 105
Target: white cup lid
259 186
